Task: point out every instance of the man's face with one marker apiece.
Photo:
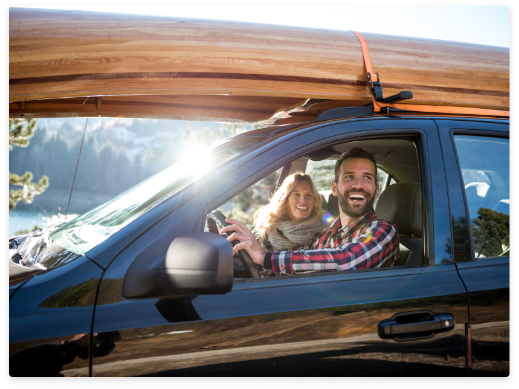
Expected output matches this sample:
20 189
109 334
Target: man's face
357 187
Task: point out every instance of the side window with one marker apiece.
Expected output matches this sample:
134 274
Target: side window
381 179
322 173
485 167
244 205
299 215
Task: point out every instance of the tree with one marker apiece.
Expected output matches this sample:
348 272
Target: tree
204 139
20 131
234 129
209 137
491 233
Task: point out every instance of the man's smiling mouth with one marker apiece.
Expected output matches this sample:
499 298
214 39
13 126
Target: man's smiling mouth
356 197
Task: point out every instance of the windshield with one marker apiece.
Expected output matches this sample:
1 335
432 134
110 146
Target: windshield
87 231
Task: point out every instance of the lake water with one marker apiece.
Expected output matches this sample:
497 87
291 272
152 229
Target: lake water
22 219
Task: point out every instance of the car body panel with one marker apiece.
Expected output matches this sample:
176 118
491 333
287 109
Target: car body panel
181 336
50 320
17 280
488 283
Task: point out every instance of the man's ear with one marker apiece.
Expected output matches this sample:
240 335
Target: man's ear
376 193
334 188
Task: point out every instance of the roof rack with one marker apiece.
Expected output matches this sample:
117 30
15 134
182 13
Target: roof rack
346 112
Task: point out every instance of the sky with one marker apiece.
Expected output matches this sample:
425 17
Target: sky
486 25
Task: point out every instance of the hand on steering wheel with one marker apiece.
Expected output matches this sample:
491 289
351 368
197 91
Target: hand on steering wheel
250 267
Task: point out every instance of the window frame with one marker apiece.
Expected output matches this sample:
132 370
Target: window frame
415 134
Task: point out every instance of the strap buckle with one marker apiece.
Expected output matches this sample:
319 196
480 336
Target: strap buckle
375 88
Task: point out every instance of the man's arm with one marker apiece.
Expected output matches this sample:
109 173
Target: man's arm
376 246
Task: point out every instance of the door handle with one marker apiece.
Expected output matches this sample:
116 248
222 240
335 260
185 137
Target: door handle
415 325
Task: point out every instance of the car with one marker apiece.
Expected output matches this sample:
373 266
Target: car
140 286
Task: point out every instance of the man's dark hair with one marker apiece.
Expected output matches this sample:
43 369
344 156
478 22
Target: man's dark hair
356 152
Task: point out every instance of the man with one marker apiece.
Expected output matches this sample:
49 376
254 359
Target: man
364 242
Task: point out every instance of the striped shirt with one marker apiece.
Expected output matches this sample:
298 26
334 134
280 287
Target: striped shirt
365 243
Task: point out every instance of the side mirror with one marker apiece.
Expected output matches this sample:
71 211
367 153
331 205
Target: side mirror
200 263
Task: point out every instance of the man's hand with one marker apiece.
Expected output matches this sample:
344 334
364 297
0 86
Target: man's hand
247 241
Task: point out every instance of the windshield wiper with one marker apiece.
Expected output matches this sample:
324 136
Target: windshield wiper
23 245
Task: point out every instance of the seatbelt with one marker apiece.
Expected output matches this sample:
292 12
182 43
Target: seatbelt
377 105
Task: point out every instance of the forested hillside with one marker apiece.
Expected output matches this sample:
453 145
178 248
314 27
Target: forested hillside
116 154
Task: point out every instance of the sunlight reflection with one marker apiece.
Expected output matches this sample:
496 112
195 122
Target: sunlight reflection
328 218
195 157
94 227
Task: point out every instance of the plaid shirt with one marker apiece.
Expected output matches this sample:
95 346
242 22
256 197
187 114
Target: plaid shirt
365 243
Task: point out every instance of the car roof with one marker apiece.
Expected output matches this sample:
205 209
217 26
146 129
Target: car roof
285 129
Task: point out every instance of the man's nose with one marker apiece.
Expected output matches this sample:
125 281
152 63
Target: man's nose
357 183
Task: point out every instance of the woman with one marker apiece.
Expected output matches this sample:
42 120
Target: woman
291 220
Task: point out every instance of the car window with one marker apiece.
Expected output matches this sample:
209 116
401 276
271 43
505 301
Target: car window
485 168
398 205
322 173
381 178
244 205
90 229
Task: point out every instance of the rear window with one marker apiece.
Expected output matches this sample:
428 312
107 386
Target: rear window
485 167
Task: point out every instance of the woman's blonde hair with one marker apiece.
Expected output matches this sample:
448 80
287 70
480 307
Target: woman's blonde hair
267 217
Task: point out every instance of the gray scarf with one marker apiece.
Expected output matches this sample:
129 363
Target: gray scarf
292 236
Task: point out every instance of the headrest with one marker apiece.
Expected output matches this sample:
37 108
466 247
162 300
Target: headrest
401 204
333 205
324 203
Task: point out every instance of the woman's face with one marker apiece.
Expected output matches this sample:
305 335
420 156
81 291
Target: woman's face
300 202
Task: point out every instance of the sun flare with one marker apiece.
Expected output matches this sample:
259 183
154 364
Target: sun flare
196 158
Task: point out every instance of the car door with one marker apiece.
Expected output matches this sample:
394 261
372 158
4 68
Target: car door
479 194
331 324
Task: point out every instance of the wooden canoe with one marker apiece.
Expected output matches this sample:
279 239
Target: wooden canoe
76 63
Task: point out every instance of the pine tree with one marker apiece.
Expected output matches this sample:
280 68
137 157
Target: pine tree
20 131
491 232
203 139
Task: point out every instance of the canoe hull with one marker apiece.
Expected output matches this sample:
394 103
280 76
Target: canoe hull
57 55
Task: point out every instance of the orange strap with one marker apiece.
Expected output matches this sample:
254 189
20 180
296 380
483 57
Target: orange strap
422 108
365 53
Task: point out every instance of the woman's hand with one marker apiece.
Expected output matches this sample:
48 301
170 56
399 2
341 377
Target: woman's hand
247 241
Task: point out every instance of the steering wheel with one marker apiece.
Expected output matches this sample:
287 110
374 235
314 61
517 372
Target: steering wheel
246 265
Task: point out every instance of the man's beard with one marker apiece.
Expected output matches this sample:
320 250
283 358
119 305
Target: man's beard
355 210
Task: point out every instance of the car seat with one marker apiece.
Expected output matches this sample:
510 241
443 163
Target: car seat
333 205
401 204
